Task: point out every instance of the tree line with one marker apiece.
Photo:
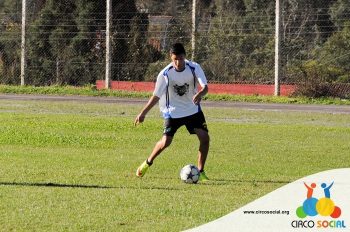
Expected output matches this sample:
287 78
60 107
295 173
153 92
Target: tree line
235 40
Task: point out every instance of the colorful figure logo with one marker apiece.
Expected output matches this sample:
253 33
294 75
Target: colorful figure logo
313 206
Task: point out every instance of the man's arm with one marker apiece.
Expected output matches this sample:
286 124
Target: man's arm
198 97
141 117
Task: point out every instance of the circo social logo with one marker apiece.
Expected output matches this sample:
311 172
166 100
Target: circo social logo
324 206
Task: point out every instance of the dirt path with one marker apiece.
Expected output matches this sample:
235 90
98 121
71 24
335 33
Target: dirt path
336 109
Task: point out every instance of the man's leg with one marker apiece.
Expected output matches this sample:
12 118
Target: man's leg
160 146
204 141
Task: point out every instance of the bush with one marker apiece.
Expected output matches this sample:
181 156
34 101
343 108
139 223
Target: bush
321 81
154 69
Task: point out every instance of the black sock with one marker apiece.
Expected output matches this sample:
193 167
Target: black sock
149 163
201 170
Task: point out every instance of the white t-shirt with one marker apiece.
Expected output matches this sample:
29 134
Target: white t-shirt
176 89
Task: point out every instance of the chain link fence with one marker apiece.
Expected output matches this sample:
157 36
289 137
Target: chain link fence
234 41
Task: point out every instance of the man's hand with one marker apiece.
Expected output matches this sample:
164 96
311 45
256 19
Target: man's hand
197 98
139 119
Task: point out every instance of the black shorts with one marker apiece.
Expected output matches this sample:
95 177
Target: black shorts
195 121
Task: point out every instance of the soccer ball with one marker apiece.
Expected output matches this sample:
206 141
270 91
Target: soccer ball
189 174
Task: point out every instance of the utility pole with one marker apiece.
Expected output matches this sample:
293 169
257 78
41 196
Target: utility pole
108 43
194 28
23 42
277 47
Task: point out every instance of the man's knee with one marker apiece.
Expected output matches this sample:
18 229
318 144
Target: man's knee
165 142
203 137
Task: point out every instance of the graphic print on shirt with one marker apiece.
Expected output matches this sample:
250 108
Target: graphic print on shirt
182 89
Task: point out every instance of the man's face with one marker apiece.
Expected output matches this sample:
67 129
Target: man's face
178 61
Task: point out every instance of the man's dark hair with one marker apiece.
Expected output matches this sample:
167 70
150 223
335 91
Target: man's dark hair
177 49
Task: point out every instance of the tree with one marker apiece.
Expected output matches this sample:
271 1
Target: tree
306 25
335 56
123 13
238 46
51 33
10 30
67 41
140 53
340 12
87 50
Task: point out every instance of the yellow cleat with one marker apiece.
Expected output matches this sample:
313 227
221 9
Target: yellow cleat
141 171
203 177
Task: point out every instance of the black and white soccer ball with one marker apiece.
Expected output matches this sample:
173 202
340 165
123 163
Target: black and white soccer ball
189 174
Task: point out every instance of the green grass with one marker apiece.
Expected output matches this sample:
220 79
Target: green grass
91 91
69 166
69 90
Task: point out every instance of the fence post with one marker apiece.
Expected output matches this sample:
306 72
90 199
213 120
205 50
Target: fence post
108 42
23 42
194 28
277 47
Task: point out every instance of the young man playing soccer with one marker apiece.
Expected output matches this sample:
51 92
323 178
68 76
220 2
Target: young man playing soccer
179 100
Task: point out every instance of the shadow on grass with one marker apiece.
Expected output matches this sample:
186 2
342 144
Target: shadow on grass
257 181
223 181
149 187
58 185
54 185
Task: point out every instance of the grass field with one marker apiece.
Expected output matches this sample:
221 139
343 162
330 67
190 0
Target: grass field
69 166
91 91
